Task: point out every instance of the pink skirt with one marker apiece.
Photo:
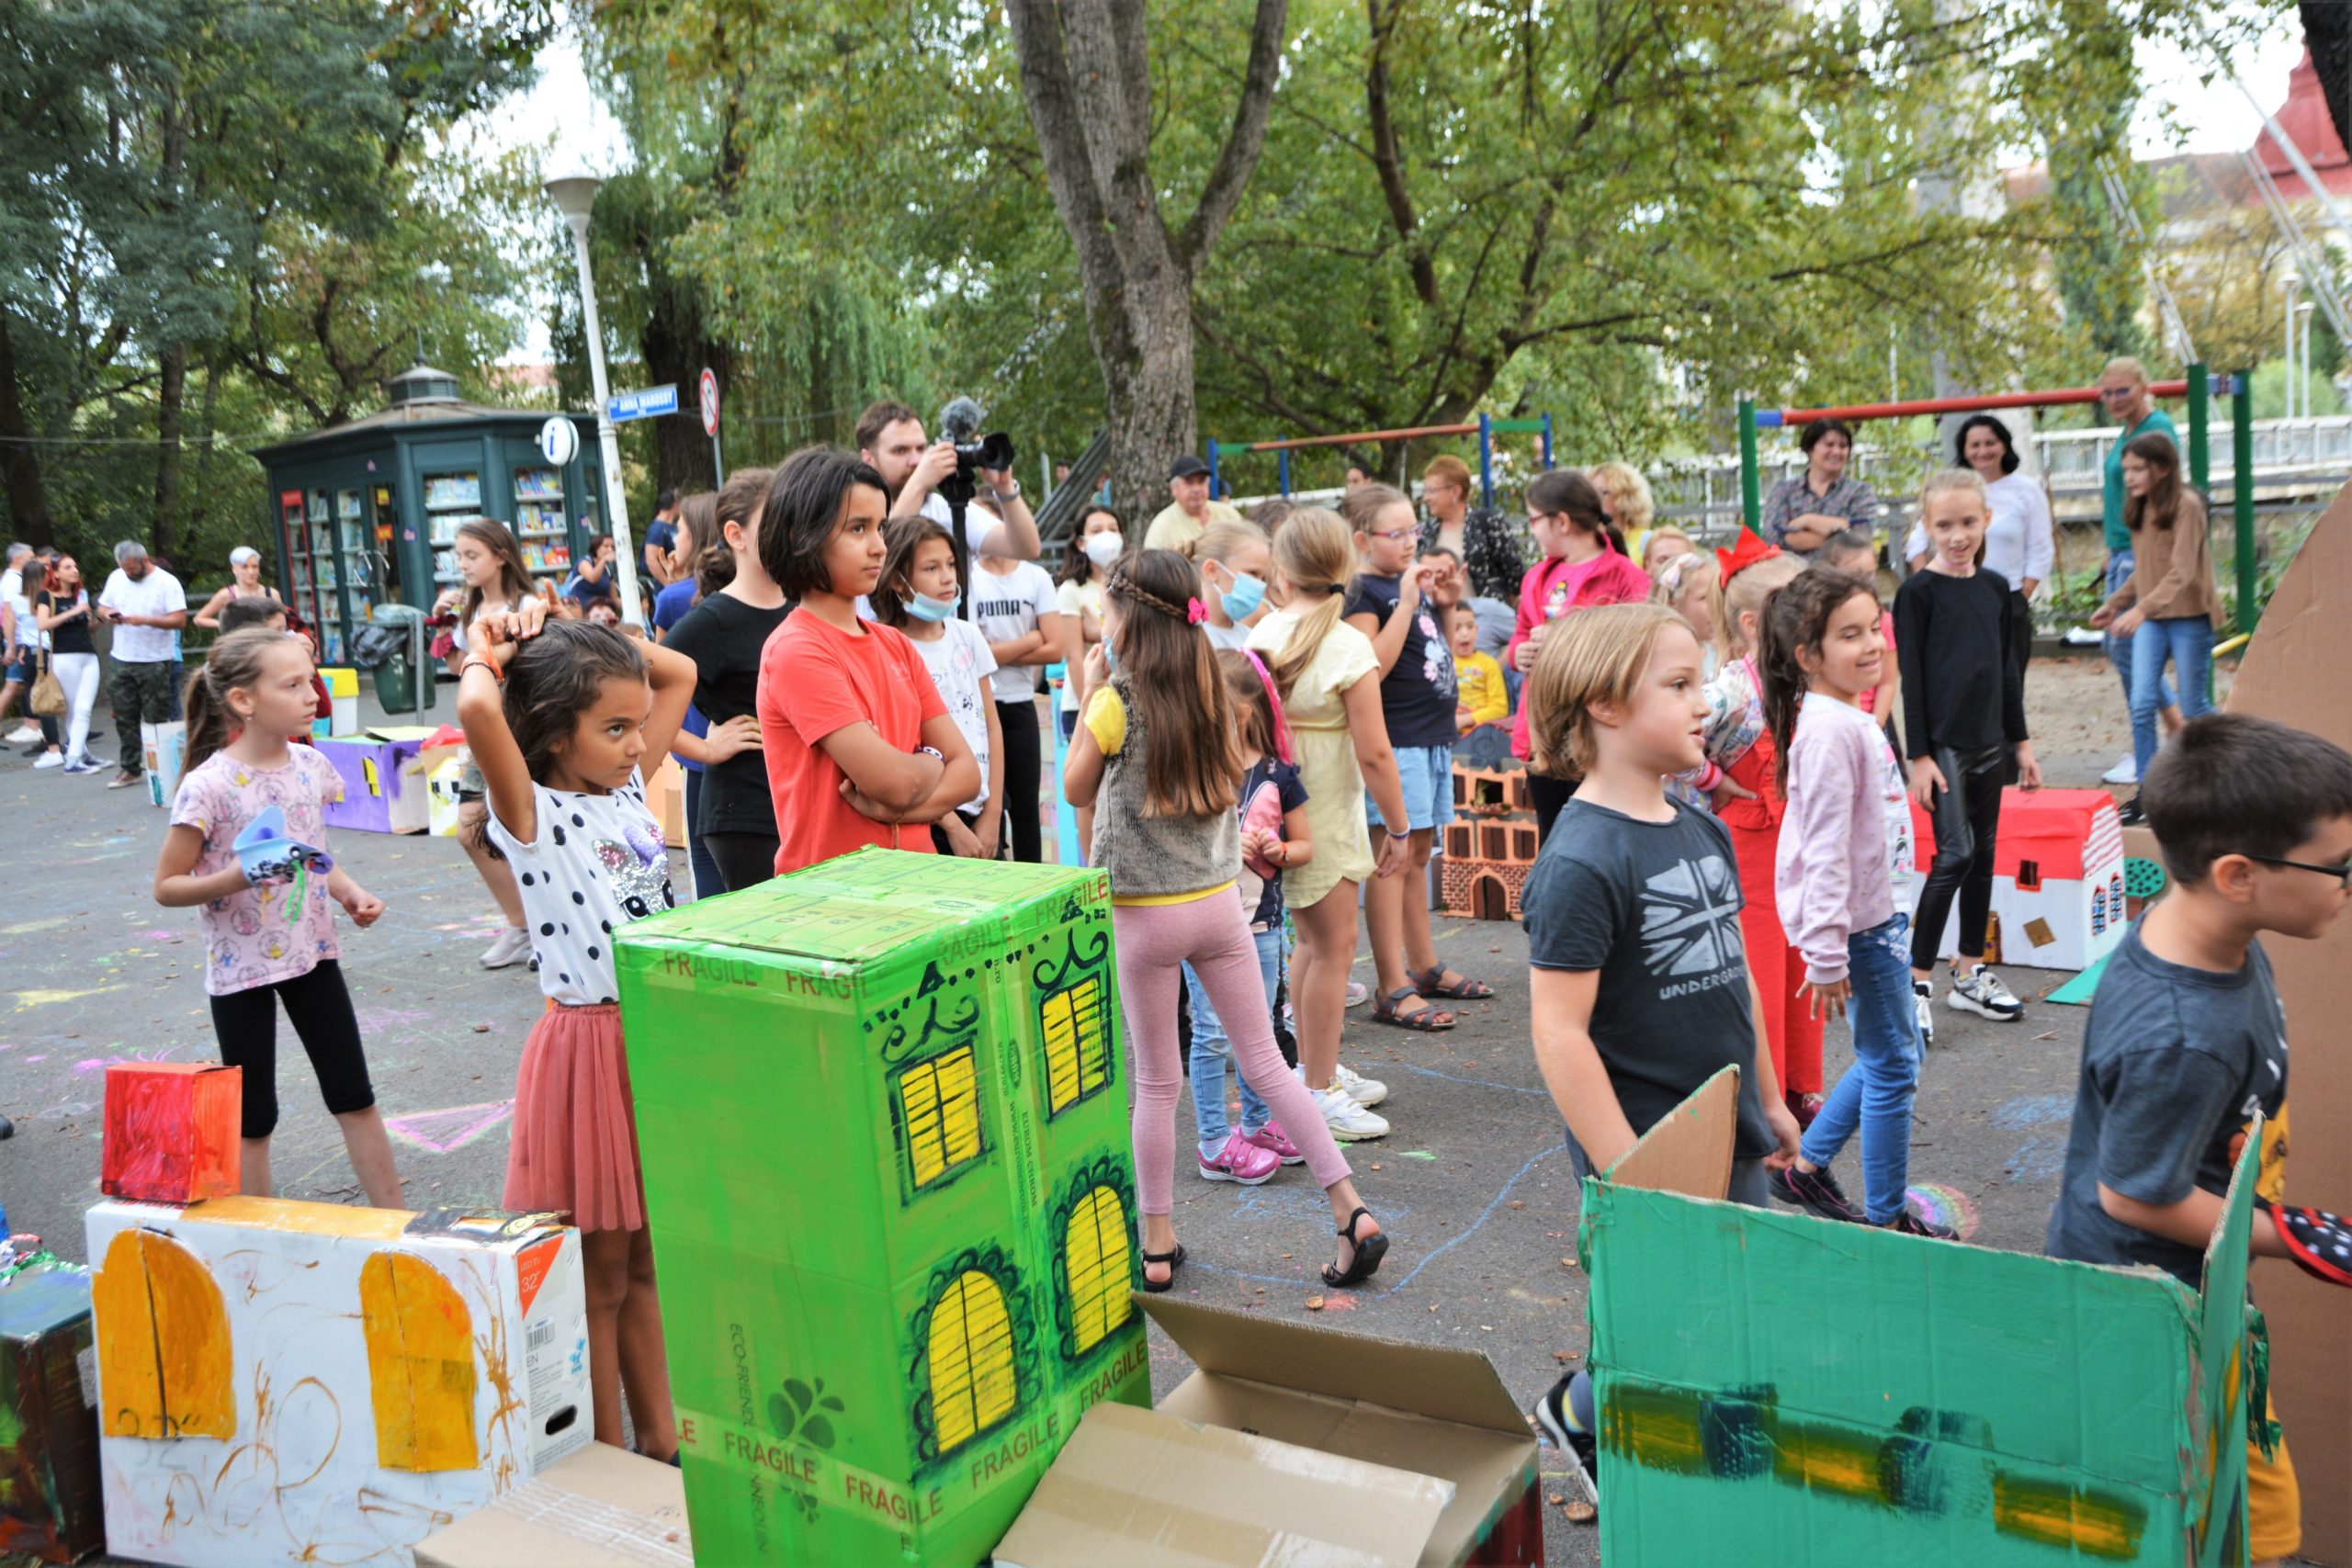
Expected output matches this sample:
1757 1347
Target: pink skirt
574 1144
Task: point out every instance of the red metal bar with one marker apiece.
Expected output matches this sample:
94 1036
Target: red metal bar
1966 405
1296 442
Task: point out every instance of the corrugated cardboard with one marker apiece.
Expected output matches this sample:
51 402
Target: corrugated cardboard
2293 672
883 1106
1145 1490
1782 1389
602 1507
49 1420
1439 1412
665 796
306 1384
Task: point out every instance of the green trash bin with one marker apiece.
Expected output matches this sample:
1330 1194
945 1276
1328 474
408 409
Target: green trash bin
406 672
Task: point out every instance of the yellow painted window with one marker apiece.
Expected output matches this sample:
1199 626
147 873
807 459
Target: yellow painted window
419 1364
1077 1045
972 1385
1094 1256
941 1101
163 1340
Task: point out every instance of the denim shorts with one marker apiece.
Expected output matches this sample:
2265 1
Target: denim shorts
18 674
1427 773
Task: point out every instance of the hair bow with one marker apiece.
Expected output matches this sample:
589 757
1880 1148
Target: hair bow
1195 612
1744 552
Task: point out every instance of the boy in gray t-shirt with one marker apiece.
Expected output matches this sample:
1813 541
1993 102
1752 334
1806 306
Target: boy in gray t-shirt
2187 1041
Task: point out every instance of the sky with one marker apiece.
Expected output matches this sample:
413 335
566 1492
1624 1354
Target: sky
2179 113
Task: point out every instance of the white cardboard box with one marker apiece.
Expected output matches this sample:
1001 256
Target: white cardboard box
284 1382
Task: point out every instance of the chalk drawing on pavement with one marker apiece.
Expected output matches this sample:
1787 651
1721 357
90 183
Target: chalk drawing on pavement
440 1132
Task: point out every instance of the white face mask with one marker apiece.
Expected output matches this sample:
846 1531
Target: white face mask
1104 550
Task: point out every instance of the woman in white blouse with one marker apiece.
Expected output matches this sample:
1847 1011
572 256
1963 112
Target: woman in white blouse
2021 545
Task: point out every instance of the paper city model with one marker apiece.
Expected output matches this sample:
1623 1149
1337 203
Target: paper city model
893 1196
1962 1406
1491 844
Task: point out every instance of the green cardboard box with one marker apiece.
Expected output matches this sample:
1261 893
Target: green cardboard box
880 1108
1777 1388
50 1505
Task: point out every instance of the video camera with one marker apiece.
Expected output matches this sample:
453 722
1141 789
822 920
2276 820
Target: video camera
960 424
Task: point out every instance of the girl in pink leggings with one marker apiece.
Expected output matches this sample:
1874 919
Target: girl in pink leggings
1157 758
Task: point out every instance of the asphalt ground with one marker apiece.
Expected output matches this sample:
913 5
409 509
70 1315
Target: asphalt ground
1472 1185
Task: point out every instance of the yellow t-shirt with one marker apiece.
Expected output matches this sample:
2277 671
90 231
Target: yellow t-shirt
1479 685
1174 528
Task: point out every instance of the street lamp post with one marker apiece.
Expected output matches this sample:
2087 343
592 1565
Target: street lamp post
574 195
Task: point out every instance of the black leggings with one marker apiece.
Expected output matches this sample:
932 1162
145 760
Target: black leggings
744 860
1021 760
1967 814
318 1006
1547 794
2021 655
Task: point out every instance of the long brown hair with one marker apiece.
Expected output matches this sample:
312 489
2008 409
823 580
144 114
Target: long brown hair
1316 557
906 536
1796 617
514 576
1168 673
235 662
2161 506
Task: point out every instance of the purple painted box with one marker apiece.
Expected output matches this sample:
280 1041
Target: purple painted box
382 792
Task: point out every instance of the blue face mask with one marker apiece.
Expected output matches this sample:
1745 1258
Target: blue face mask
924 607
1110 655
1242 600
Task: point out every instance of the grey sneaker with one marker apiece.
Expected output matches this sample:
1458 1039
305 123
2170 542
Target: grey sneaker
1980 991
514 945
1923 1006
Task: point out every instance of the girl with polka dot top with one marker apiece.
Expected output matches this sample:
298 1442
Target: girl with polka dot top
559 714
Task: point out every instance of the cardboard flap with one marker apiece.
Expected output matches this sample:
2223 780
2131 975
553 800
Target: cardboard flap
1688 1151
1423 1380
1139 1487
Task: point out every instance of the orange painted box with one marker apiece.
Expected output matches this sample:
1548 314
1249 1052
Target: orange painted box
171 1130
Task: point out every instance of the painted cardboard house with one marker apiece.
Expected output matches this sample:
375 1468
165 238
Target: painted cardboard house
888 1158
1489 847
2058 879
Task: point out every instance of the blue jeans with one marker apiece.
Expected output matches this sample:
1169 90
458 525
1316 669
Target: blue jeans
2119 650
1212 1054
2188 641
1875 1093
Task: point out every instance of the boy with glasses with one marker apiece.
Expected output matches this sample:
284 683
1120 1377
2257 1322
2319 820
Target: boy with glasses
2186 1039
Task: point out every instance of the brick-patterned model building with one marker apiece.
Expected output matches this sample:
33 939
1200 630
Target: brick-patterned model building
1489 845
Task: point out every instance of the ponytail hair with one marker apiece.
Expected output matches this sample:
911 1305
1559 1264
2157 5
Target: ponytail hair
1745 594
1318 558
237 661
1168 673
1796 617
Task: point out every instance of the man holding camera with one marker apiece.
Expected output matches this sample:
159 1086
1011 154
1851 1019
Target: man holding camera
890 437
1191 513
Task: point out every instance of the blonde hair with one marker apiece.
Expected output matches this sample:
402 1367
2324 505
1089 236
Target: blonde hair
1949 480
1593 656
1685 575
1316 556
1450 468
1219 540
1745 595
2125 364
1664 532
1362 507
1628 493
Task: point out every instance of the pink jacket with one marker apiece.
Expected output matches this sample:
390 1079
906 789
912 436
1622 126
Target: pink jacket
1847 827
1611 579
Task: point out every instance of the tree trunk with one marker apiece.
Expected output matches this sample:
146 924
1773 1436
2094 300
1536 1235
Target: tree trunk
171 404
2327 29
677 350
1136 272
28 518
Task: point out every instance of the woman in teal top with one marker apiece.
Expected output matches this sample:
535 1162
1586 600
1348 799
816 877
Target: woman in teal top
2123 394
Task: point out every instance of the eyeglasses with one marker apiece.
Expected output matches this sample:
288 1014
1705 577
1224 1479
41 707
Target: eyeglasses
1397 536
2343 873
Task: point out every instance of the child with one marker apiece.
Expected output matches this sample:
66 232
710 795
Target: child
918 596
1963 708
1275 836
1479 694
1327 679
493 577
274 941
1158 753
2166 609
1626 1029
1738 779
1661 547
857 742
1086 563
559 714
1855 553
1417 703
1014 604
2186 1039
1692 586
1845 849
1234 559
256 611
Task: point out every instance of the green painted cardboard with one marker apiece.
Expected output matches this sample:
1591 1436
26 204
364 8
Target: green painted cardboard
50 1507
884 1128
1774 1387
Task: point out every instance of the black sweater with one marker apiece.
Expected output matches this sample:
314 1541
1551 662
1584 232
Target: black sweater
1951 639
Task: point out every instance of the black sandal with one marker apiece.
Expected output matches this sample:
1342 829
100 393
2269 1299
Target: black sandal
1174 1260
1363 1266
1389 1010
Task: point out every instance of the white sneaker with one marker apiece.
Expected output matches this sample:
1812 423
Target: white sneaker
1980 991
50 759
2123 773
1361 1089
1348 1122
1923 1006
24 735
512 946
1358 993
